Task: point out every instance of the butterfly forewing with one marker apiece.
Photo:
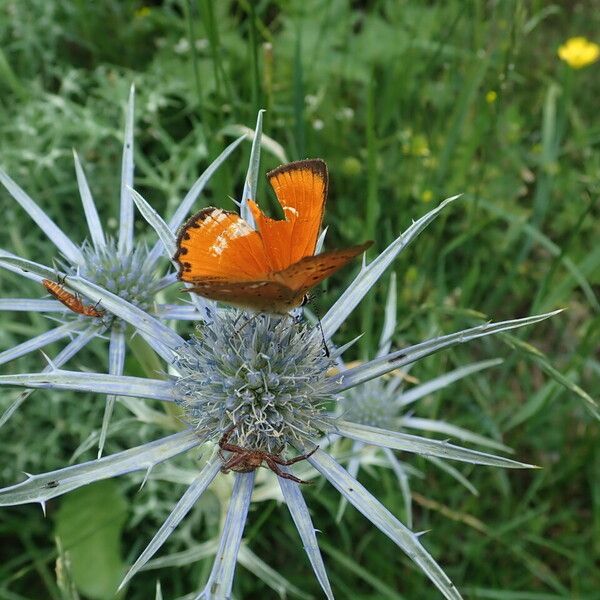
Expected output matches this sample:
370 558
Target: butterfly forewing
301 189
215 243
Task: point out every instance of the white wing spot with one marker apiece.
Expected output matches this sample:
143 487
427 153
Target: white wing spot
235 230
218 215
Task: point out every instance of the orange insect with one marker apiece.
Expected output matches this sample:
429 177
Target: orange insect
270 269
70 300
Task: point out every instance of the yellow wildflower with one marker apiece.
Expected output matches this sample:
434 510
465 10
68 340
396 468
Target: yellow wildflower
419 146
579 52
142 12
427 196
491 97
351 166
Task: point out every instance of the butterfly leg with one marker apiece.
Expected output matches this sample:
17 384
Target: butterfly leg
237 319
309 299
325 347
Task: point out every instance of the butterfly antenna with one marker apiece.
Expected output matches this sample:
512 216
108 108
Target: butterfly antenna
327 353
310 300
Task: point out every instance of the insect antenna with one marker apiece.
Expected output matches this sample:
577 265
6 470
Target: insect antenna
310 299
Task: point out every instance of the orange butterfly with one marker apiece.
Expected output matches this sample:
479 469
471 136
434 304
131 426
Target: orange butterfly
70 300
270 269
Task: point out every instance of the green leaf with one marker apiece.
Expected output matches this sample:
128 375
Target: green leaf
89 523
540 358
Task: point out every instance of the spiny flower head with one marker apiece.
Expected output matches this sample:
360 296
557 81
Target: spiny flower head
129 276
123 266
372 403
265 374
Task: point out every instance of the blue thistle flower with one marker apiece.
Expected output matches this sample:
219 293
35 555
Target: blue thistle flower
265 374
216 384
269 377
121 266
384 403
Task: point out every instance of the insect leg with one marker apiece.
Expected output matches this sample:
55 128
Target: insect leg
273 466
294 460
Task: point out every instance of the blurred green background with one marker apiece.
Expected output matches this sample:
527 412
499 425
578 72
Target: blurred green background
408 102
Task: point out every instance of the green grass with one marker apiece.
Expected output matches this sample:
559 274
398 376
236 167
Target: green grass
393 96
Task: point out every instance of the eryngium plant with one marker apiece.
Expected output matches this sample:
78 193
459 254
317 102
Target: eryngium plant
268 382
123 266
385 402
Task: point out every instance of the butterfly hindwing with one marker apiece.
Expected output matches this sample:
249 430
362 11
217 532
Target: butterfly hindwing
267 296
311 270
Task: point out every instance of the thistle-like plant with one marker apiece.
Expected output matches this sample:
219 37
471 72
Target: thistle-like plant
125 267
385 402
267 382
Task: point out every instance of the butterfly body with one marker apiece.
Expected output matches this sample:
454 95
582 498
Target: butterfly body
71 301
272 268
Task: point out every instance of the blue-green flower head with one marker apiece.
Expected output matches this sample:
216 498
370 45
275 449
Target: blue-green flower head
130 276
370 404
266 374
